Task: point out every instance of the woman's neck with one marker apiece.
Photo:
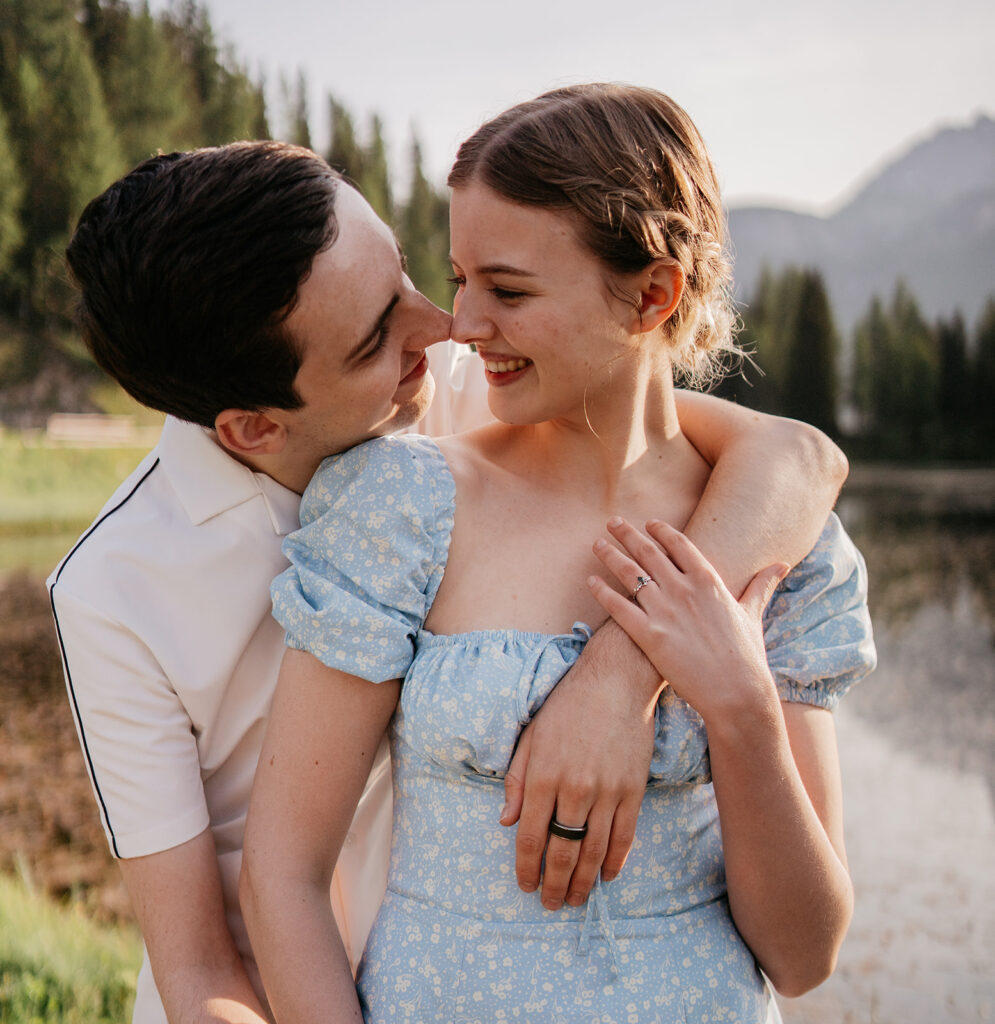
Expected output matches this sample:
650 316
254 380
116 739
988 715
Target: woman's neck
623 429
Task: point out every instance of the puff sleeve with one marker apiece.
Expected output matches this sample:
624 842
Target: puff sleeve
817 628
367 562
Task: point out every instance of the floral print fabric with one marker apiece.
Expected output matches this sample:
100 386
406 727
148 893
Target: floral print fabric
456 939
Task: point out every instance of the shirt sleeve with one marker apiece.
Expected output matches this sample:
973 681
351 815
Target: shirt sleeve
817 628
369 557
136 736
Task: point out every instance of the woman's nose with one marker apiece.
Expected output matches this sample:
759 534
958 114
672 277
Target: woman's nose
469 325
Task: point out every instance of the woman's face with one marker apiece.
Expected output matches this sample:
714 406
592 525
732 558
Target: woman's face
538 306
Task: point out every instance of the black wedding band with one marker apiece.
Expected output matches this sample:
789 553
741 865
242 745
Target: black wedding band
575 833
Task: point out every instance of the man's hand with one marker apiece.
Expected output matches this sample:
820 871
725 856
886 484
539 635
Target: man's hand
585 758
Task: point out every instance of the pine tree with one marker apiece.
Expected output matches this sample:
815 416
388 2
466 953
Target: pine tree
983 383
231 106
152 95
424 233
768 320
917 372
63 140
812 347
295 104
374 179
237 106
105 23
953 401
898 378
872 368
344 152
11 197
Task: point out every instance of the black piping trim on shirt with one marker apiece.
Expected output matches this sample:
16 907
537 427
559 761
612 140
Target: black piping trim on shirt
65 660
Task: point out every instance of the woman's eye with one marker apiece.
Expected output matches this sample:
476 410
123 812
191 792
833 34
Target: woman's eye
502 294
506 294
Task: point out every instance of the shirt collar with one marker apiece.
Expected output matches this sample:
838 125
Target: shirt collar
209 481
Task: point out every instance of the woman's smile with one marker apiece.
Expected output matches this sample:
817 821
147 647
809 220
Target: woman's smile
501 369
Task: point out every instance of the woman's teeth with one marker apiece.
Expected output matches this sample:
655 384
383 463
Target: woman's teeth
507 367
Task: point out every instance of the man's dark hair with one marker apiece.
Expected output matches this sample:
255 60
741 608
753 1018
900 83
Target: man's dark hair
188 268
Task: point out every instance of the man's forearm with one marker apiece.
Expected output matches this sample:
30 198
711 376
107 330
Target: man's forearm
773 483
177 898
212 994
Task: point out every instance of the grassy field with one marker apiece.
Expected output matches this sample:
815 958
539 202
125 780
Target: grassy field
50 494
42 486
57 965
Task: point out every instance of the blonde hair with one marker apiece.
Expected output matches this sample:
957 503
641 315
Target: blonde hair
631 168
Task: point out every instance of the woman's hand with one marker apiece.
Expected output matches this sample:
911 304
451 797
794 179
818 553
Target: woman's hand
706 644
789 891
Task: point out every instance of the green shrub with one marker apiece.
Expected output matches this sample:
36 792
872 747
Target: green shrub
57 965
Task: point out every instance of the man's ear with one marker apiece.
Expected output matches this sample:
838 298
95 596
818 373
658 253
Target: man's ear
250 433
661 286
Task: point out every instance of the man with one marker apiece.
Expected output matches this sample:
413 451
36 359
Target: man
254 297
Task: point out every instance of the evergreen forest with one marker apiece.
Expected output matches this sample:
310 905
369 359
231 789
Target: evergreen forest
88 88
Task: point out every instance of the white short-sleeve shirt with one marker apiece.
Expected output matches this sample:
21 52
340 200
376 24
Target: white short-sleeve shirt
171 656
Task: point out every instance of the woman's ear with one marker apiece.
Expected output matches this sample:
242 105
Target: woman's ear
246 433
661 288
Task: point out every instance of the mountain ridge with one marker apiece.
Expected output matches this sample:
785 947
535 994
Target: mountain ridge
927 217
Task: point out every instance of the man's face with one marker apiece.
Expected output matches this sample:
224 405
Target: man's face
363 329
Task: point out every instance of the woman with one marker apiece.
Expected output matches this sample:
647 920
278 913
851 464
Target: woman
587 243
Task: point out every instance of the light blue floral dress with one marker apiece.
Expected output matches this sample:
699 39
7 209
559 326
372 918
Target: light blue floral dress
456 940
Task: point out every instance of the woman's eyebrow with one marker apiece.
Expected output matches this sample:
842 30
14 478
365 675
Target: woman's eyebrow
502 268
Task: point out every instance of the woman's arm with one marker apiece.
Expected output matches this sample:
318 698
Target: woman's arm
322 737
588 751
774 767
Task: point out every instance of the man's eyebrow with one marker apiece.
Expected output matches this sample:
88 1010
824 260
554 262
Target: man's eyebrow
367 340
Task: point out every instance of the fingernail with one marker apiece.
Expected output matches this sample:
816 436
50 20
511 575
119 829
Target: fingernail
575 899
652 522
600 544
592 581
614 522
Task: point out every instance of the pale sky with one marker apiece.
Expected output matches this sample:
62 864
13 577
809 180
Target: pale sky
798 102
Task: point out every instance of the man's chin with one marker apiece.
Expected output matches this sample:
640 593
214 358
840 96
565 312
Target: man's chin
416 408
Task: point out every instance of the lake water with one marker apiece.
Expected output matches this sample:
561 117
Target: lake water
917 751
929 541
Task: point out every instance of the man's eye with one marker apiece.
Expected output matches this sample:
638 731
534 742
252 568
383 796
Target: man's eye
457 280
380 342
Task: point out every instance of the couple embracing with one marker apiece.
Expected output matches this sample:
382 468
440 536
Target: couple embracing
607 700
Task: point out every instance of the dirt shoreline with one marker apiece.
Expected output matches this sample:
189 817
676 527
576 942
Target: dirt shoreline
50 831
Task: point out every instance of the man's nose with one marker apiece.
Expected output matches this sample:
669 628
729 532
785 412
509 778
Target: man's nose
435 326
